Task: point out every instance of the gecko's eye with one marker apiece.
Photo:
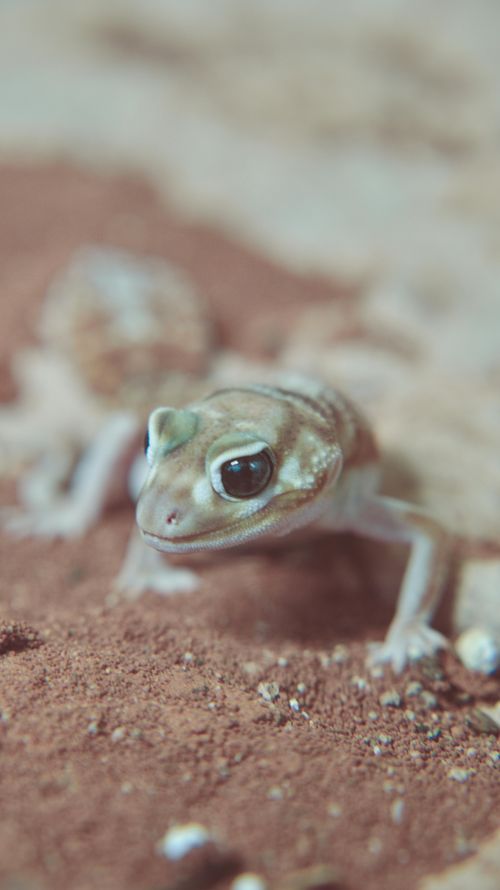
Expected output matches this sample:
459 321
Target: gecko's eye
146 441
248 475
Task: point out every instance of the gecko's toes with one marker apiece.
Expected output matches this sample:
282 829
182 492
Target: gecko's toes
404 644
166 582
21 524
173 581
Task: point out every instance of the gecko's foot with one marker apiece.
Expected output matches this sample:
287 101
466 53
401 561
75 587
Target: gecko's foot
62 520
407 643
165 581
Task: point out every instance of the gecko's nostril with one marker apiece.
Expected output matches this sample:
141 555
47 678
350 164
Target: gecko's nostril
172 518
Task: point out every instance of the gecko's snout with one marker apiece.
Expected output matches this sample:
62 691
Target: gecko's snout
160 518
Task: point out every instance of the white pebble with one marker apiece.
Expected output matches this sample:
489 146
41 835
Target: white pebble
429 700
359 682
390 699
181 839
478 650
340 653
460 775
397 810
269 691
118 734
248 881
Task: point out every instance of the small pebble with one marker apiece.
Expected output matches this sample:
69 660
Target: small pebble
390 699
397 810
457 732
294 704
460 775
359 682
433 734
485 720
413 688
118 734
340 654
428 699
250 668
478 650
248 881
269 691
181 839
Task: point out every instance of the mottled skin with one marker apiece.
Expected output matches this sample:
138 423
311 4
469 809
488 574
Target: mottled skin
322 464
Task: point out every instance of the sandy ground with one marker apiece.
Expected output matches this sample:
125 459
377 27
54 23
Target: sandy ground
119 721
329 183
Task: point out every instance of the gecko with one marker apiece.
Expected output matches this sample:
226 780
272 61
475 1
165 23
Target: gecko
247 464
258 462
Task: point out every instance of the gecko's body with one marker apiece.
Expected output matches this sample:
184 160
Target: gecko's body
246 465
255 463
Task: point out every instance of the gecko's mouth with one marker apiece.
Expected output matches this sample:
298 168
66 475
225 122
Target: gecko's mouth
238 533
213 540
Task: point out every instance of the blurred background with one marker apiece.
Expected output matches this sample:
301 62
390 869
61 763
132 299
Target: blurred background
359 139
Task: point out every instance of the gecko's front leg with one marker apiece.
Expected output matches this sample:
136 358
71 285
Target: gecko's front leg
145 569
409 634
99 478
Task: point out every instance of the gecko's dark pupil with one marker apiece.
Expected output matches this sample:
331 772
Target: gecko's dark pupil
146 441
244 477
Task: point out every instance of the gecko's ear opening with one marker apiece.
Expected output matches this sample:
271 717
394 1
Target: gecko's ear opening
169 428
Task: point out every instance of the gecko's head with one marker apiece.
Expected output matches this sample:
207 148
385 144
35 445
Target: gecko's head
233 467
